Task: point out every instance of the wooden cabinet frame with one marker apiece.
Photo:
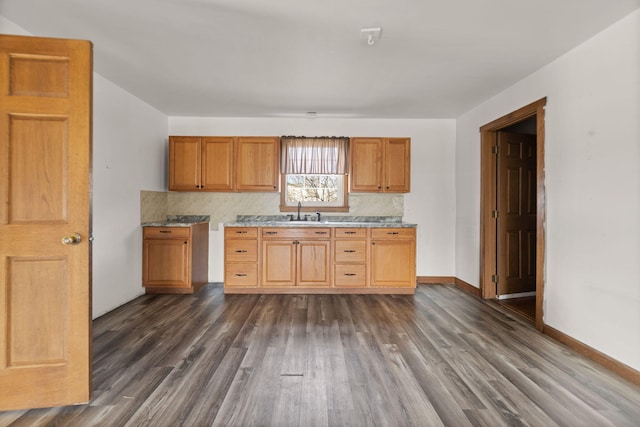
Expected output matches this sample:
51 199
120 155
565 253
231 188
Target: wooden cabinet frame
380 165
224 163
175 259
307 260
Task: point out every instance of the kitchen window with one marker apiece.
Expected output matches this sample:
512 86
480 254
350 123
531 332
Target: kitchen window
314 173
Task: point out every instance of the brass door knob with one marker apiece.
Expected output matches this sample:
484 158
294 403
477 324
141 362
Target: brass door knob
72 239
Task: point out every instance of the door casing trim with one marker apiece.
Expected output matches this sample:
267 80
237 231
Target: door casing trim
488 198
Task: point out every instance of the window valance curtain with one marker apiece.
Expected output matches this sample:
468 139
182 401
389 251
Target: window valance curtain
314 155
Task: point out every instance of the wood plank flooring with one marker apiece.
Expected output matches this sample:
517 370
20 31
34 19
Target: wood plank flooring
441 357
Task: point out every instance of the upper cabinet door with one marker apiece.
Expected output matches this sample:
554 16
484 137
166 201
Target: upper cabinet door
217 163
184 163
397 165
366 165
380 165
257 160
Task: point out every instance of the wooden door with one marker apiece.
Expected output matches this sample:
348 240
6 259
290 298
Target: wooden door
314 263
366 166
516 222
217 163
397 167
45 195
185 163
278 263
257 160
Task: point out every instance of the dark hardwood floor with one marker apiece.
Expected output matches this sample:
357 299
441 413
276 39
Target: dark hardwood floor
441 357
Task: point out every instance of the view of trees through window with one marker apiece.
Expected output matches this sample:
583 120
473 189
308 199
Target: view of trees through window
313 188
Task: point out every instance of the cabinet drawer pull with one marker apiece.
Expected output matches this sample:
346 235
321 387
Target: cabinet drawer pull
350 274
165 231
271 233
240 275
349 232
321 232
241 251
241 232
393 232
349 251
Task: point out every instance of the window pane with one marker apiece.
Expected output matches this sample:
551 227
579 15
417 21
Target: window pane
314 189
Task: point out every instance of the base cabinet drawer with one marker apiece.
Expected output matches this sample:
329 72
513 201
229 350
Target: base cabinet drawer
350 275
244 275
241 251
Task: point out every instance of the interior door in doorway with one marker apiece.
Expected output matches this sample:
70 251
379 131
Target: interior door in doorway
516 219
45 222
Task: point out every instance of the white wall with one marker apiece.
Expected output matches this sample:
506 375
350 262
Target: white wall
431 203
129 139
129 154
592 289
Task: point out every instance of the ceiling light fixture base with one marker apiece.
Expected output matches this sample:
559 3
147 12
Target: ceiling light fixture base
371 35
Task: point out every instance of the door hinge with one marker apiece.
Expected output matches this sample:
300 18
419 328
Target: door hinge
494 149
494 278
494 214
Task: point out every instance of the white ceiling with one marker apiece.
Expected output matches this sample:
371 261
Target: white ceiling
283 58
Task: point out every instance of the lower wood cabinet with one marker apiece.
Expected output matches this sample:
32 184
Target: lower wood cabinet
175 259
296 257
393 254
319 260
350 267
241 257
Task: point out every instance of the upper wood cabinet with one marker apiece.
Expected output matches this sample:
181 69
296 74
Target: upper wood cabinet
218 163
380 165
257 163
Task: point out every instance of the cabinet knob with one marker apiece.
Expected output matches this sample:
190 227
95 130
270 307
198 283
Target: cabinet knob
185 242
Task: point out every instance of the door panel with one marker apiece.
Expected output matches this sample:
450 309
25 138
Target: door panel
516 223
38 149
45 159
278 263
314 258
397 165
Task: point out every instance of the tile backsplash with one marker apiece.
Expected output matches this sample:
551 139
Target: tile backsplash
224 207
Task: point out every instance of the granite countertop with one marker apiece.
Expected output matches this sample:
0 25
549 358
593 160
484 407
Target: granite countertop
327 221
178 221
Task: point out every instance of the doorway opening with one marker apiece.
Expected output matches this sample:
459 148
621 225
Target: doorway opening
512 211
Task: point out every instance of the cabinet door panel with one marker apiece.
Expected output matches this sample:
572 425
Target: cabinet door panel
257 164
314 263
217 163
397 168
184 163
366 168
393 263
278 263
166 263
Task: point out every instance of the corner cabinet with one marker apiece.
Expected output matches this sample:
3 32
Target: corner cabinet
380 165
219 163
175 259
